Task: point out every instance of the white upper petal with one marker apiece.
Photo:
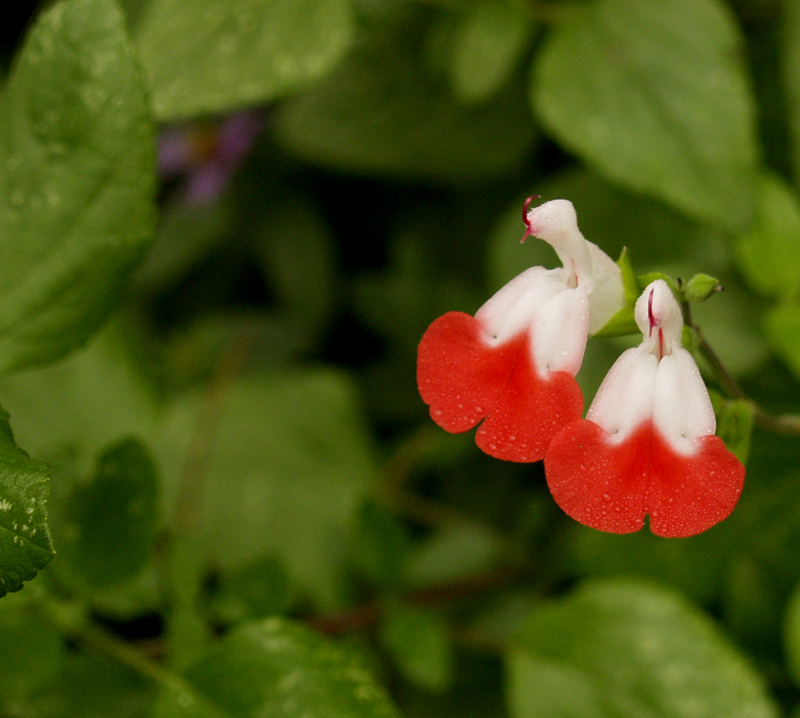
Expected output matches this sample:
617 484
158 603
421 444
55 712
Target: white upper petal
608 295
512 308
644 385
557 224
586 264
656 309
540 302
559 332
682 409
557 306
625 398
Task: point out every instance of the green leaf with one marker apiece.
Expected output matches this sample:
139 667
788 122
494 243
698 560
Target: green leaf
289 467
700 287
206 56
790 77
453 554
782 327
418 641
381 545
31 651
731 325
769 254
627 86
108 527
488 41
24 535
380 113
76 180
622 323
629 280
256 590
735 421
92 687
278 667
791 636
295 249
629 649
68 412
696 567
754 601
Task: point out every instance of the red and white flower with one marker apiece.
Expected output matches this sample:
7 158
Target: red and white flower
647 445
513 364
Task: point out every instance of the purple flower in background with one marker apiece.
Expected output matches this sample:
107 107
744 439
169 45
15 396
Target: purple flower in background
207 154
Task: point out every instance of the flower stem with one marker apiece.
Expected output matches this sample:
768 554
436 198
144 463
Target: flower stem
72 621
786 424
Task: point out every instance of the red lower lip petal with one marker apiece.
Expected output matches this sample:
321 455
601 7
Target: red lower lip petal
612 487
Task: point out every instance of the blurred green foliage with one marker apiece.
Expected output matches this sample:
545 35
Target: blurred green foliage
225 226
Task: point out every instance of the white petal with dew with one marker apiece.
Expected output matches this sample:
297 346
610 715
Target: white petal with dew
608 295
557 224
625 398
661 312
682 409
559 331
511 310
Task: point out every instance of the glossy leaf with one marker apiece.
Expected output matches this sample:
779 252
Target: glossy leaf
627 86
277 667
624 648
76 180
67 413
205 56
25 546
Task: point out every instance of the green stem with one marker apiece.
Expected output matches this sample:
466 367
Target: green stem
71 620
786 424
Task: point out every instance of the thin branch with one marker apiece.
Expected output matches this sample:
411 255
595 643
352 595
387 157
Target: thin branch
786 424
367 615
72 622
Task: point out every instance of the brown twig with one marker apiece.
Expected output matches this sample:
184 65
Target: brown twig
367 615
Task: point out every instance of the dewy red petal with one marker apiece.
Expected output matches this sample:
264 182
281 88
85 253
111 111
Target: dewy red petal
458 375
465 380
647 445
613 486
530 412
513 364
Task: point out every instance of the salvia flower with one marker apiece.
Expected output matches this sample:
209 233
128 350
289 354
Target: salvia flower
647 445
512 365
